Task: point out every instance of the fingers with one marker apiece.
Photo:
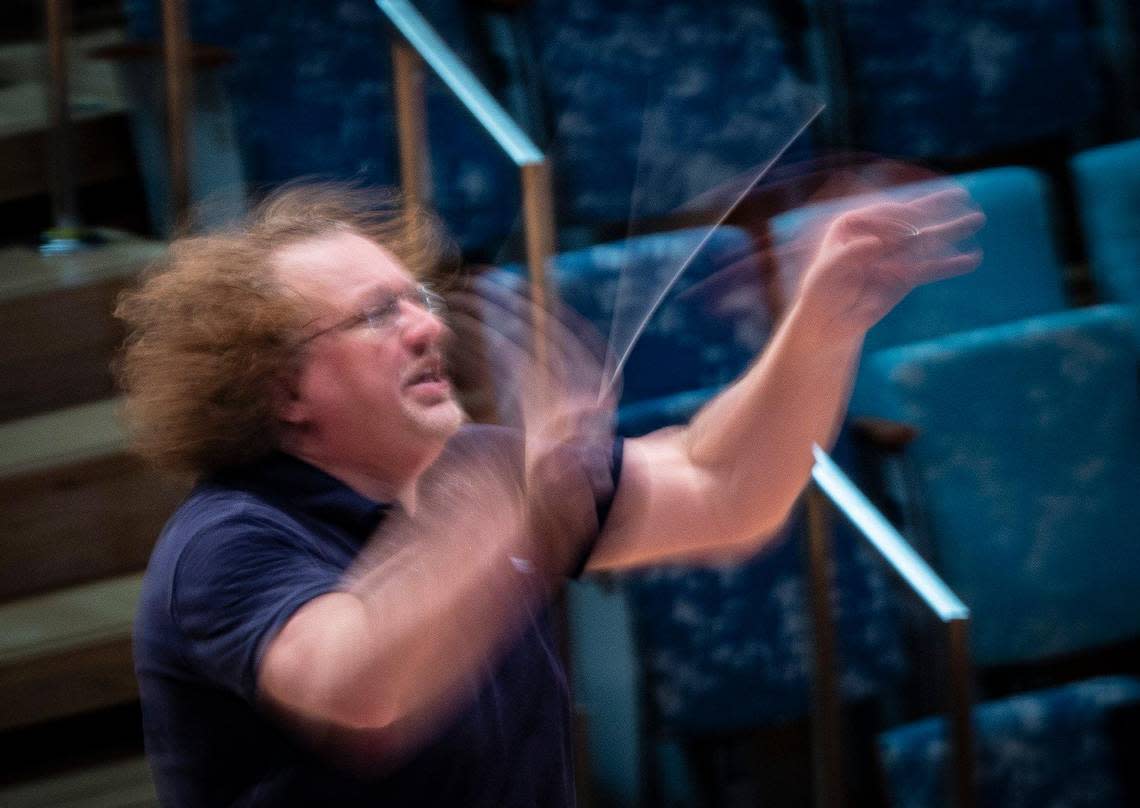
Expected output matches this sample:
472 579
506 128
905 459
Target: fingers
569 341
910 268
946 214
554 390
940 268
953 230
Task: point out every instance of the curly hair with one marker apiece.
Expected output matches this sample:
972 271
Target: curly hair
211 332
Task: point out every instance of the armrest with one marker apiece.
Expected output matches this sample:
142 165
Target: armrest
883 434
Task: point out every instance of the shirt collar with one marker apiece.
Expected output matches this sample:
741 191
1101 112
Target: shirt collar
302 487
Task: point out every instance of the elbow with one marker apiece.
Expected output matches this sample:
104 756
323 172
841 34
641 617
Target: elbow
757 528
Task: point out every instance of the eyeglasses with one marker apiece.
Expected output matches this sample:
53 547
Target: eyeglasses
384 315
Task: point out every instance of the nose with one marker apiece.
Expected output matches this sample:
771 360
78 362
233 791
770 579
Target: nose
419 328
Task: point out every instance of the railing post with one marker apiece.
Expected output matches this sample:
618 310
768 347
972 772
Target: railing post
176 56
827 728
57 17
411 124
959 707
538 224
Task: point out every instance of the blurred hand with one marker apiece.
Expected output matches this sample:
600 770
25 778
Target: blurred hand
870 257
550 369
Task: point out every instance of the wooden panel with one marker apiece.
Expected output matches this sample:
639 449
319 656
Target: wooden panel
83 521
67 683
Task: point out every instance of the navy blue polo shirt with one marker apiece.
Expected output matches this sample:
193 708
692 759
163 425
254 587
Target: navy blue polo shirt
238 558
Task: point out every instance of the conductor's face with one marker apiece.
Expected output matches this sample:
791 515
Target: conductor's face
371 394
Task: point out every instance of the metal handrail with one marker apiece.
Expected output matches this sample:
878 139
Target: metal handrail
417 44
882 535
418 33
831 485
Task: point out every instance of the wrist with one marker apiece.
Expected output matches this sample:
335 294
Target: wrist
821 327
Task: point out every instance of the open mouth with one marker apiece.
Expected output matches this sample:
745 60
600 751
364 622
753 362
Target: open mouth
429 376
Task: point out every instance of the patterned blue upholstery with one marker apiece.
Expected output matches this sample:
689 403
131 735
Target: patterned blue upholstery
1068 746
666 99
1021 273
731 647
725 647
933 79
1108 189
311 89
1027 471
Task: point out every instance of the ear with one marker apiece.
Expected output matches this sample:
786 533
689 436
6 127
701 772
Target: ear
288 405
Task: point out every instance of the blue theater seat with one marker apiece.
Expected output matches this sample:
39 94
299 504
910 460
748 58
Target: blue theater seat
654 103
311 86
1108 191
1071 746
1026 471
940 80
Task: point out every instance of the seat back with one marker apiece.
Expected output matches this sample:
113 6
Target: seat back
1063 746
1108 191
653 104
710 325
1027 470
942 80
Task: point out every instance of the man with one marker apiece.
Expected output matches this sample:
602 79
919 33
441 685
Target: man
350 607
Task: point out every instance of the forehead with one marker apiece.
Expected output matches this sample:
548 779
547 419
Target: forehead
342 269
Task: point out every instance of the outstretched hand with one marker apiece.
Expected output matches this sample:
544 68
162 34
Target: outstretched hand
548 374
870 257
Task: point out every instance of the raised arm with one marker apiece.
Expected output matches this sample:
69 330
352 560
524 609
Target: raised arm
727 481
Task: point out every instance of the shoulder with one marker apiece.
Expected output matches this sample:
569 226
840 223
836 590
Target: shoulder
218 518
217 536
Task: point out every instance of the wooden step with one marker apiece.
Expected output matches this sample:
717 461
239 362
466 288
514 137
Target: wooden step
67 652
122 784
78 506
56 314
82 515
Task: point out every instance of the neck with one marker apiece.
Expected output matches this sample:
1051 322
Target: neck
387 483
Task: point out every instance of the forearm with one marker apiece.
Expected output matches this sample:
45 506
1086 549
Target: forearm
373 671
755 439
440 613
429 605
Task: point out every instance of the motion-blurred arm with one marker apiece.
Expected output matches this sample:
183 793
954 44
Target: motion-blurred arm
727 481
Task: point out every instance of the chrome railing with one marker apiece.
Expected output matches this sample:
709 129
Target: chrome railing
417 44
831 488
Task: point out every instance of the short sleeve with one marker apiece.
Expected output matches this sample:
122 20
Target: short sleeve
235 586
599 463
603 469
